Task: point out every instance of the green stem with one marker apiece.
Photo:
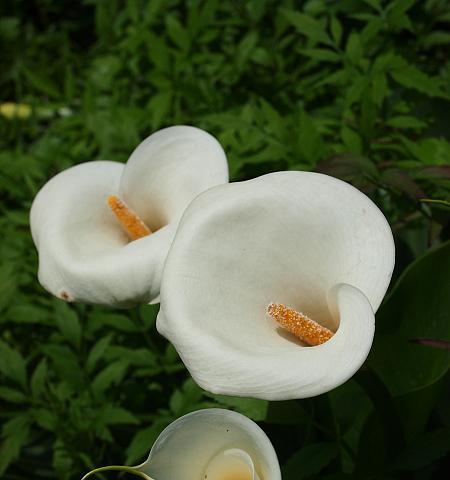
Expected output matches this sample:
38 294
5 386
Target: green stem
121 468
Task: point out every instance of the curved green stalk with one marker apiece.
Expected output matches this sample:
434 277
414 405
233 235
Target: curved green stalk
122 468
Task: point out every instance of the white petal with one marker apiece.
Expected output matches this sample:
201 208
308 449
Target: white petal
168 170
291 238
187 447
83 253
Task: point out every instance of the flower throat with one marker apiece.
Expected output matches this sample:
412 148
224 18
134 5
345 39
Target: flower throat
130 222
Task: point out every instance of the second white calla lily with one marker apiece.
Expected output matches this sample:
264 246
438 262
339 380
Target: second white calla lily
212 444
84 253
303 240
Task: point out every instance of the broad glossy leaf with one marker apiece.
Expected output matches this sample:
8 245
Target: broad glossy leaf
425 450
419 306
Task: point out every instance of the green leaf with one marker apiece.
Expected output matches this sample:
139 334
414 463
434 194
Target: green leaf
384 423
97 352
375 4
62 461
142 357
351 140
68 323
13 365
38 379
159 107
336 31
28 314
415 409
353 49
45 418
443 204
12 395
111 375
177 33
321 54
114 320
342 403
245 48
7 284
9 28
287 413
310 460
368 116
436 38
66 364
379 87
440 209
424 451
372 452
149 314
307 25
309 139
430 151
405 121
411 77
398 7
250 407
144 439
356 89
417 307
372 30
41 82
15 434
186 399
112 415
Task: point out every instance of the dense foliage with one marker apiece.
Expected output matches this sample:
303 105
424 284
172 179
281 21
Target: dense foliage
356 89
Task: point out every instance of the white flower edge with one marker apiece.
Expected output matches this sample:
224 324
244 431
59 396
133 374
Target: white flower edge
204 444
83 253
306 240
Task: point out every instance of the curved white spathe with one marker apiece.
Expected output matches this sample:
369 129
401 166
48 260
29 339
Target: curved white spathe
84 254
306 240
215 444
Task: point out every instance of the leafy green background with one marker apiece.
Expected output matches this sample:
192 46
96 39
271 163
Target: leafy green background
356 89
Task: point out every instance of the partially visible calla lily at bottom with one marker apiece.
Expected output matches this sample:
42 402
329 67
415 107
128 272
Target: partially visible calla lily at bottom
212 444
312 251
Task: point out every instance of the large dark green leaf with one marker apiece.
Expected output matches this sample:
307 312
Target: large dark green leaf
425 450
418 307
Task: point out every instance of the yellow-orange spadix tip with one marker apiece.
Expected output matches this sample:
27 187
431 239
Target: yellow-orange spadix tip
133 226
300 325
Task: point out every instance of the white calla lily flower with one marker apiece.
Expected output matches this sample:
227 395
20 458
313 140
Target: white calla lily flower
212 444
113 254
312 251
